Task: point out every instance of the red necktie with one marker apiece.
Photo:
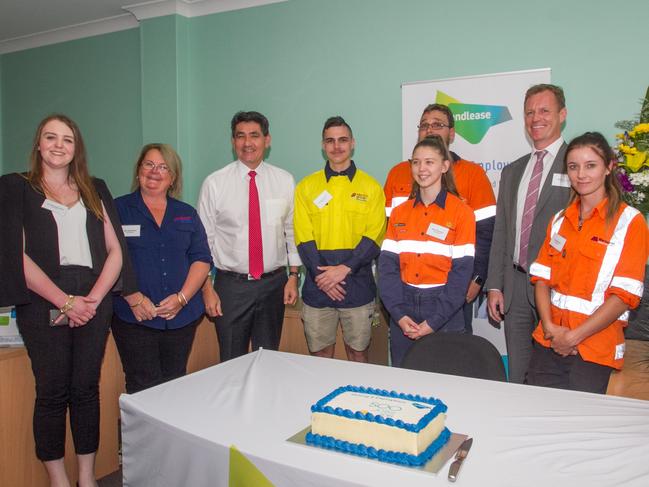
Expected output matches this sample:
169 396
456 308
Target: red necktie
255 248
530 207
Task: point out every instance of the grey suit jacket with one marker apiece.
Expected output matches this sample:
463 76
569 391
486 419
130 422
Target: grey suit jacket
551 200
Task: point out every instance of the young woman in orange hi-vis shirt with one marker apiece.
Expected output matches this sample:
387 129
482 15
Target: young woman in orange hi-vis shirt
426 260
587 276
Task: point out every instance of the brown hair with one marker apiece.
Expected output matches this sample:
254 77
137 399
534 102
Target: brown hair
173 162
77 170
557 91
448 180
597 142
438 107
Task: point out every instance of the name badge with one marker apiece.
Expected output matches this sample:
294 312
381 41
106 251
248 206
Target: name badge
619 351
557 242
437 231
562 180
131 230
54 207
324 198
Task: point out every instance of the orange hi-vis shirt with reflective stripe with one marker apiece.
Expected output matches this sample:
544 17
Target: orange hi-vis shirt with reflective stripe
428 238
472 183
584 267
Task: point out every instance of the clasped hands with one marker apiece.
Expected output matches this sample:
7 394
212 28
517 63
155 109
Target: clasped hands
82 310
561 338
331 280
144 309
414 330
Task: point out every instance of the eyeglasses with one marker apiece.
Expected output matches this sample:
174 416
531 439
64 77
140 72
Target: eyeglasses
434 126
150 166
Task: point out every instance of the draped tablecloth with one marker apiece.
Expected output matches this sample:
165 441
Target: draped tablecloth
180 433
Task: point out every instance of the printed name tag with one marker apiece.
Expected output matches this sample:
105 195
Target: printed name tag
54 207
562 180
324 198
558 242
131 230
437 231
619 351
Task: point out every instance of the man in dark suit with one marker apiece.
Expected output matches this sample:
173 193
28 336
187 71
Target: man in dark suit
532 189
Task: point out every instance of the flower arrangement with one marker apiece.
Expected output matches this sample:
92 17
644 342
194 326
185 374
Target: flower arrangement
633 158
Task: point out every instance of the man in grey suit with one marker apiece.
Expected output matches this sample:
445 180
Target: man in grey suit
532 189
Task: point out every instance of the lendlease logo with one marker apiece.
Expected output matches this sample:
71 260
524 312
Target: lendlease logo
473 121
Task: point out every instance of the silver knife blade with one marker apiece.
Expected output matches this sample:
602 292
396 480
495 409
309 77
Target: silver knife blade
460 455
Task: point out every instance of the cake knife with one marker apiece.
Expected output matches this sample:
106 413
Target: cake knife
460 455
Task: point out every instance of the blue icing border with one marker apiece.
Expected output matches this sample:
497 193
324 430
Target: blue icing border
389 456
438 408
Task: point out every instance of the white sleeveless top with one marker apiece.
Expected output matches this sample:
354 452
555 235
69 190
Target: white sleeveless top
74 248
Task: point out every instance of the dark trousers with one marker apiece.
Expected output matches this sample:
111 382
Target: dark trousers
520 321
419 304
66 363
252 311
549 369
151 356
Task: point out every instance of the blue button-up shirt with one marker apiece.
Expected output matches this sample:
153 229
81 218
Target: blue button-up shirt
162 255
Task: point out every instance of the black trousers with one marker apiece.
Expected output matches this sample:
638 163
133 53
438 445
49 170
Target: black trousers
252 311
66 363
549 369
150 356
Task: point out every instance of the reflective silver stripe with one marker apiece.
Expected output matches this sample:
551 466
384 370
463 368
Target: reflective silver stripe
541 271
605 276
428 247
396 201
632 286
578 305
466 250
424 286
556 223
484 213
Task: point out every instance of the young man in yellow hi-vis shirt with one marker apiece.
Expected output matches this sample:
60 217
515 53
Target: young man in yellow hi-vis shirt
339 222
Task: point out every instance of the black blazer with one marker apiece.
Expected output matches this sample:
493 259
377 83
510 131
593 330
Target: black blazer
21 211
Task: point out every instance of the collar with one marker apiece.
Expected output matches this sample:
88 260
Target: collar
439 201
553 148
244 170
572 212
350 172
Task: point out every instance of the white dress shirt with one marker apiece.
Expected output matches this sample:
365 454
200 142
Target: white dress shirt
548 160
223 208
74 247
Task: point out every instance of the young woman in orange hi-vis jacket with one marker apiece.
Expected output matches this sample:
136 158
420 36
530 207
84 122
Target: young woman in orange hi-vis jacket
426 260
587 276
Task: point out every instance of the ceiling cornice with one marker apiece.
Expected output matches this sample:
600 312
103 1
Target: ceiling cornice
136 13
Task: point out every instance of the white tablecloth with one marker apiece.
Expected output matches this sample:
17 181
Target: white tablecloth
179 433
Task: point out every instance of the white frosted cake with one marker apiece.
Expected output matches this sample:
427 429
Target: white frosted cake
386 425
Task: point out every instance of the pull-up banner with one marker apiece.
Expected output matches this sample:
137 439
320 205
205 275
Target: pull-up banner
489 130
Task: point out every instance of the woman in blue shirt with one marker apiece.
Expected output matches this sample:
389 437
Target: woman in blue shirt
154 328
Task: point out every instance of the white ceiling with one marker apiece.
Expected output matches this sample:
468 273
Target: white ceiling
32 23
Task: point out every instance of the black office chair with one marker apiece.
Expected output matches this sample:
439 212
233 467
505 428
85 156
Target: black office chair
456 354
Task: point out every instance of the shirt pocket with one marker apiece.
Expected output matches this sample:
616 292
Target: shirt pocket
182 235
585 274
275 211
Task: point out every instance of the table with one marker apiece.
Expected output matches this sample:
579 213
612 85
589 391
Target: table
179 433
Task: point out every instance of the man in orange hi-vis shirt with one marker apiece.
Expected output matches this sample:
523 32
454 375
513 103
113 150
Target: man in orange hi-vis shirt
473 186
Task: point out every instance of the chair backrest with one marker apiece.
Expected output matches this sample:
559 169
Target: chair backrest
456 354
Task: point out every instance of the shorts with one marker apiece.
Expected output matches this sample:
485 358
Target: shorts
321 325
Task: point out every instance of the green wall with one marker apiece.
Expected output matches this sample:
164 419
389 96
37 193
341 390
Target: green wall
96 81
180 80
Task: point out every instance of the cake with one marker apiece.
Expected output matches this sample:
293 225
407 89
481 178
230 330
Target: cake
384 425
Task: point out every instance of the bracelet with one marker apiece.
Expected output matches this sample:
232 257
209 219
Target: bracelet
138 303
181 299
68 304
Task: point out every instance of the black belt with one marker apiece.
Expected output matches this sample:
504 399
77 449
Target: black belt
248 277
519 268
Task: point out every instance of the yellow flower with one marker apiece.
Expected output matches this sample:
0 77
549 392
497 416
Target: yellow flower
641 128
635 161
625 149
